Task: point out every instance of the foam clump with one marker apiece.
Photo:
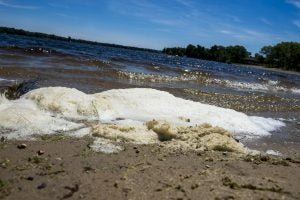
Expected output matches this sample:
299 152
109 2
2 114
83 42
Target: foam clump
68 102
123 133
207 137
162 129
202 137
105 146
141 104
23 119
126 115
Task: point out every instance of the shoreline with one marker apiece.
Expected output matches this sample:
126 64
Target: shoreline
62 168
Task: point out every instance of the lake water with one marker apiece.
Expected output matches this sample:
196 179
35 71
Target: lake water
95 68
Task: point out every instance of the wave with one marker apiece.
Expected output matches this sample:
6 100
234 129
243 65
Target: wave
32 50
206 79
269 86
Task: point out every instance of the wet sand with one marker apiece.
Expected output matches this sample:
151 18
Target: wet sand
65 168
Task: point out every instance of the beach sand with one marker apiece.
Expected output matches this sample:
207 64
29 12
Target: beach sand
65 168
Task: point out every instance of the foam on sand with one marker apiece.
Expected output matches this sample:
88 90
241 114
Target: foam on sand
127 115
140 105
21 119
105 146
203 137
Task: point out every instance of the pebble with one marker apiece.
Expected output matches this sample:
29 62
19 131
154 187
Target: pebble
29 178
194 186
22 146
209 159
116 185
42 186
40 152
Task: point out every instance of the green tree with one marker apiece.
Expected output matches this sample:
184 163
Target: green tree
259 58
236 54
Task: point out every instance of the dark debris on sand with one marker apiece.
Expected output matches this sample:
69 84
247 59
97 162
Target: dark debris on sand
18 89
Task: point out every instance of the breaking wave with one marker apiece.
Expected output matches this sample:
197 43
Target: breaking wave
206 79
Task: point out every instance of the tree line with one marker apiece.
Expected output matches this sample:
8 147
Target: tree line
284 55
13 31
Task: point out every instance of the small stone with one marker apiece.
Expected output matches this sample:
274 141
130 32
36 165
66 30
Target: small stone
29 178
224 153
2 139
209 159
22 146
199 154
134 147
40 152
137 151
207 166
194 186
178 187
41 186
116 185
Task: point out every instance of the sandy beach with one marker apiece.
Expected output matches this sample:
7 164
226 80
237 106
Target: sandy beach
65 168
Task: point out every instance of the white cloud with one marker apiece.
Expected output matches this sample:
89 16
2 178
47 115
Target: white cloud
265 21
233 18
225 32
297 23
186 3
296 3
149 11
61 14
245 34
6 4
58 6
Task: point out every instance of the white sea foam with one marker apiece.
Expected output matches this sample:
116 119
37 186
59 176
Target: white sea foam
269 86
123 115
146 104
22 118
6 80
272 152
105 146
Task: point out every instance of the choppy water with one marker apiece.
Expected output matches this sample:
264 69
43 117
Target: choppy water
94 68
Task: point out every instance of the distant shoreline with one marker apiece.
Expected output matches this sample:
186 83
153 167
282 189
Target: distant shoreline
13 31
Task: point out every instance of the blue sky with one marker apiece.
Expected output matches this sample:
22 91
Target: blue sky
160 23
